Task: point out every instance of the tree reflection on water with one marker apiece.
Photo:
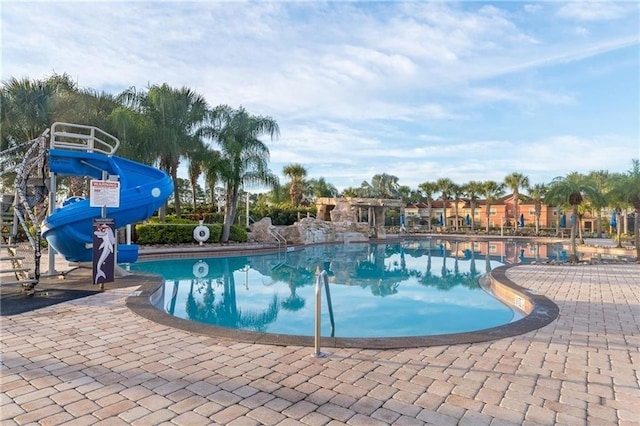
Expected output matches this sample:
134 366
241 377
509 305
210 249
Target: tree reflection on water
207 292
225 312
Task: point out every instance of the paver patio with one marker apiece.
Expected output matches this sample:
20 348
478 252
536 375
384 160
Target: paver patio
93 361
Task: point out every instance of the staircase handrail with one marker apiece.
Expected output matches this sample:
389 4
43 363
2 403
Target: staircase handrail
79 137
34 160
6 158
278 237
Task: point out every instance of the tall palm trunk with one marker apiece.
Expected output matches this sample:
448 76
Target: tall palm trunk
636 230
473 215
176 190
574 231
455 209
580 230
444 216
231 207
618 228
488 214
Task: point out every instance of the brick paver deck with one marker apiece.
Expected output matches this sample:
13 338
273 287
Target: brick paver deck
93 361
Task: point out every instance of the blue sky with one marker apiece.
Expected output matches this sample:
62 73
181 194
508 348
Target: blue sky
420 90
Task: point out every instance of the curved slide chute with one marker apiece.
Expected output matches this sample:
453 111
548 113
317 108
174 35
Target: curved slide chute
143 189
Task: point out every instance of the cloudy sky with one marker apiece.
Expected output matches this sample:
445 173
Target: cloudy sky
420 90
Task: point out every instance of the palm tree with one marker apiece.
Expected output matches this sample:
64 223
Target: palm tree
491 190
28 107
245 155
197 163
177 118
601 180
321 188
132 127
573 188
473 190
365 190
446 188
212 166
537 193
385 186
88 107
515 181
627 189
428 190
297 173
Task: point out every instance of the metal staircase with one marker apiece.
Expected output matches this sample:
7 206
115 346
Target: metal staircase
14 269
20 241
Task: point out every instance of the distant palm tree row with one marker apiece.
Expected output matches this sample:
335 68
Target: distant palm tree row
580 193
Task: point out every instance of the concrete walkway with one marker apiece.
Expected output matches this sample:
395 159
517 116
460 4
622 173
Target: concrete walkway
93 361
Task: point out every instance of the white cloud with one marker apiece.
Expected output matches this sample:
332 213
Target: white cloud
596 11
532 8
581 31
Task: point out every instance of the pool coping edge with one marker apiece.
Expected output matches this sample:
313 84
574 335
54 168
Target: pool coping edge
539 312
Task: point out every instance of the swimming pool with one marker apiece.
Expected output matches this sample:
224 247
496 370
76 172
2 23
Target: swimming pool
414 288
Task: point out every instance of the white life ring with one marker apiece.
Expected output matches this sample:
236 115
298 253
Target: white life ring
200 269
201 233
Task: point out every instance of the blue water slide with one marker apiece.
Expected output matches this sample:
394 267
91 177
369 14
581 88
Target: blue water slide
143 189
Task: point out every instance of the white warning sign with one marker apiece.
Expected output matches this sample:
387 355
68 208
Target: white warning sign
104 193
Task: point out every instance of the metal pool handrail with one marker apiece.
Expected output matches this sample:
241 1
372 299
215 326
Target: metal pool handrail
323 278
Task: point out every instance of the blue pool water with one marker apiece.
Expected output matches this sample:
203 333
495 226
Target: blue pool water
417 288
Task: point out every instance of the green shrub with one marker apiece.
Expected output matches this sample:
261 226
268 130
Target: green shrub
205 216
238 233
282 214
181 233
171 219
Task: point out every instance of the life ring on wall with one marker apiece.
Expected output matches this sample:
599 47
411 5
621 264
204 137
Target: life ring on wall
201 233
200 269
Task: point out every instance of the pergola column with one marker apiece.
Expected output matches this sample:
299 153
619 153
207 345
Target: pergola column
322 212
379 213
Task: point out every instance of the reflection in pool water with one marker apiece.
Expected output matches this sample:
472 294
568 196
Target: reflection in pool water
415 288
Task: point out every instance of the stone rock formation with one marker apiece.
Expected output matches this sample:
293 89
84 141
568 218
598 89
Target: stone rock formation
344 211
311 231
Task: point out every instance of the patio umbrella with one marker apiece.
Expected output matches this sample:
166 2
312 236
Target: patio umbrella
563 221
522 221
571 220
441 222
467 220
614 220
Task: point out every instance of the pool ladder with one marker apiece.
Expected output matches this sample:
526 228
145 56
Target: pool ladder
323 279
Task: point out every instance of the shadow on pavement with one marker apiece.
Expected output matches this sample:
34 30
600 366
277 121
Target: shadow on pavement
57 289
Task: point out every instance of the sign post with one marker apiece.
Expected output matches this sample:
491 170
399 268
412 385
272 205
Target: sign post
104 193
104 243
